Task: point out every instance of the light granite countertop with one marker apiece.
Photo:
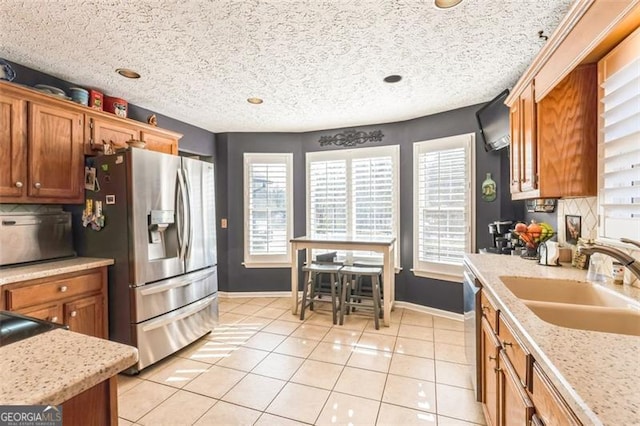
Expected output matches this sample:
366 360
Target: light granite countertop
55 366
597 374
48 269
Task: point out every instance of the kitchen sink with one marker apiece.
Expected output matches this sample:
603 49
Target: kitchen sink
577 304
592 318
563 291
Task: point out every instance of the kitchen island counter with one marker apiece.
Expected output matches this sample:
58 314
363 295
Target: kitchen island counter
55 366
595 373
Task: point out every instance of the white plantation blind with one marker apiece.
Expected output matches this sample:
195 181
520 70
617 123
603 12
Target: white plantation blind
443 203
327 189
268 207
620 154
353 193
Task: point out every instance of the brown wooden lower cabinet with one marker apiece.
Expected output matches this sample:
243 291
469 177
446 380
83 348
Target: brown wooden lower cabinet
516 407
550 407
515 391
490 368
77 299
97 406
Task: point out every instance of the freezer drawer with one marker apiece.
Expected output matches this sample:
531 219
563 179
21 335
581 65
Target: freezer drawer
162 336
158 298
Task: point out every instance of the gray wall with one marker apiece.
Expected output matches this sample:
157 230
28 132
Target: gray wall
195 139
435 293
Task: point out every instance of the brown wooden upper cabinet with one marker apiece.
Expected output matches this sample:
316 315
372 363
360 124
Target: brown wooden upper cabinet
102 130
554 141
160 140
40 150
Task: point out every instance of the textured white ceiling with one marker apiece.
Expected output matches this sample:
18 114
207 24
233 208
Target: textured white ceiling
317 64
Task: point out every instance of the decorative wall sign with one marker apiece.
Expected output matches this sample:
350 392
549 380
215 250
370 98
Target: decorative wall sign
489 189
351 137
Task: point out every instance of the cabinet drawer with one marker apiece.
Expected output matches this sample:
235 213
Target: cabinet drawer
520 358
489 311
550 407
36 294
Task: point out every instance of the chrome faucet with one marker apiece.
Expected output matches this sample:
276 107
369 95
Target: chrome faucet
627 261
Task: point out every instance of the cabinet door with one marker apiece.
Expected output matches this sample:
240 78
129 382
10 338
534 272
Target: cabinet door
102 130
160 143
51 313
516 147
529 141
490 365
55 154
86 316
516 407
13 146
550 407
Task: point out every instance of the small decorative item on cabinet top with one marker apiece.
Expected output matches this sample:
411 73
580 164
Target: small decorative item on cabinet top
6 72
153 120
489 191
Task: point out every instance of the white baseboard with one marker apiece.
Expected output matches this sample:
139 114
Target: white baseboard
399 304
429 310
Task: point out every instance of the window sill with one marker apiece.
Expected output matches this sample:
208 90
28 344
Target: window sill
263 265
453 278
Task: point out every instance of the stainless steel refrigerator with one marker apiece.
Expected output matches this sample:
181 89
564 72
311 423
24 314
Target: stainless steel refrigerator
159 226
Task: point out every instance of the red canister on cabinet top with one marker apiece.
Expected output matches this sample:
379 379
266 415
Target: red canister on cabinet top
95 99
116 105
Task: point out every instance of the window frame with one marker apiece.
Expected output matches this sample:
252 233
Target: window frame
349 155
267 260
440 270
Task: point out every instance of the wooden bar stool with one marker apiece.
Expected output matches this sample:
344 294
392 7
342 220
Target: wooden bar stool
351 299
313 290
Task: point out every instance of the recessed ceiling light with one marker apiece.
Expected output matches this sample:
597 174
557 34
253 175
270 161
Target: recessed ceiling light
392 78
446 4
255 101
125 72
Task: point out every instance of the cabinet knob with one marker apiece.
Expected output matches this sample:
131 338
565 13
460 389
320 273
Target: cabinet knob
37 185
505 343
492 358
73 313
497 369
54 319
19 184
63 288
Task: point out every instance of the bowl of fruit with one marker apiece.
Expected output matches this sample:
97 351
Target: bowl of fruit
532 236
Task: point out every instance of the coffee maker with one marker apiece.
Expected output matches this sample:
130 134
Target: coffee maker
501 238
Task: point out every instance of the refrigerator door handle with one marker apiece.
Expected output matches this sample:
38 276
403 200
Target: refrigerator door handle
182 216
175 283
189 230
180 314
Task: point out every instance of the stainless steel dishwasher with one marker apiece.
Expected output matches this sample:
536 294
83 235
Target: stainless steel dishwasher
471 302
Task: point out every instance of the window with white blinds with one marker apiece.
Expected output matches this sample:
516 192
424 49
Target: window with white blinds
443 205
353 194
620 153
268 209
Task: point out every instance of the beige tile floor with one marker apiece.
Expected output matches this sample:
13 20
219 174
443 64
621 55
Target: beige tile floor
263 366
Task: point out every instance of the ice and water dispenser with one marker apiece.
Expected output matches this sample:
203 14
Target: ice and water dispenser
163 236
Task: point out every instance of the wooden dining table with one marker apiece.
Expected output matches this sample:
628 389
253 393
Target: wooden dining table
385 246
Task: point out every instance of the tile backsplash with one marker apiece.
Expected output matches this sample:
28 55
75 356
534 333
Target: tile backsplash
586 208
